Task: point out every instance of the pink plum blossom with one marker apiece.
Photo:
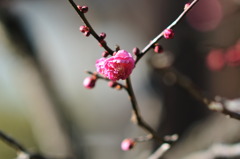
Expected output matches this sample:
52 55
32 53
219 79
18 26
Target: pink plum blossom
119 66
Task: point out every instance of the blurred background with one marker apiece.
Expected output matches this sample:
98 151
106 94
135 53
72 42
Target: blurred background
43 59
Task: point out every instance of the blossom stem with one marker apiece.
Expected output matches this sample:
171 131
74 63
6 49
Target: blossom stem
159 36
136 117
92 31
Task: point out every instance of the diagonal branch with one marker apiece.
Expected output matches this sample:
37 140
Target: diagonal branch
92 31
157 38
12 142
218 104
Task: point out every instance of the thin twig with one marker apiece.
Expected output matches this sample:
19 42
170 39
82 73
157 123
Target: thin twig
21 150
157 38
12 142
136 117
217 151
218 104
92 31
160 151
104 78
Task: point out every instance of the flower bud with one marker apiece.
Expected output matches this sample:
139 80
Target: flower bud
168 34
115 85
117 48
84 29
102 36
83 9
136 51
105 54
127 144
112 84
79 7
89 82
87 33
186 6
158 48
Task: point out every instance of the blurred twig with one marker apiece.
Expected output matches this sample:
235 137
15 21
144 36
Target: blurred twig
12 142
217 151
22 152
217 104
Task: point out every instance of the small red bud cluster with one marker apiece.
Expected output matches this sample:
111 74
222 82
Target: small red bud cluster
127 144
83 9
168 34
85 30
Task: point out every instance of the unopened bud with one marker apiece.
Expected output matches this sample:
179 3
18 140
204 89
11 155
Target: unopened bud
84 29
187 6
136 51
89 82
87 33
83 9
102 36
112 84
105 54
168 34
127 144
158 48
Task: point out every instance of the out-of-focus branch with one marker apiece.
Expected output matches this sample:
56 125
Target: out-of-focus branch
217 151
12 142
228 107
22 152
160 151
157 38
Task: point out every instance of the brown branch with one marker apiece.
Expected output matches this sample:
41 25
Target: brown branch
104 78
136 117
157 38
218 104
92 31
